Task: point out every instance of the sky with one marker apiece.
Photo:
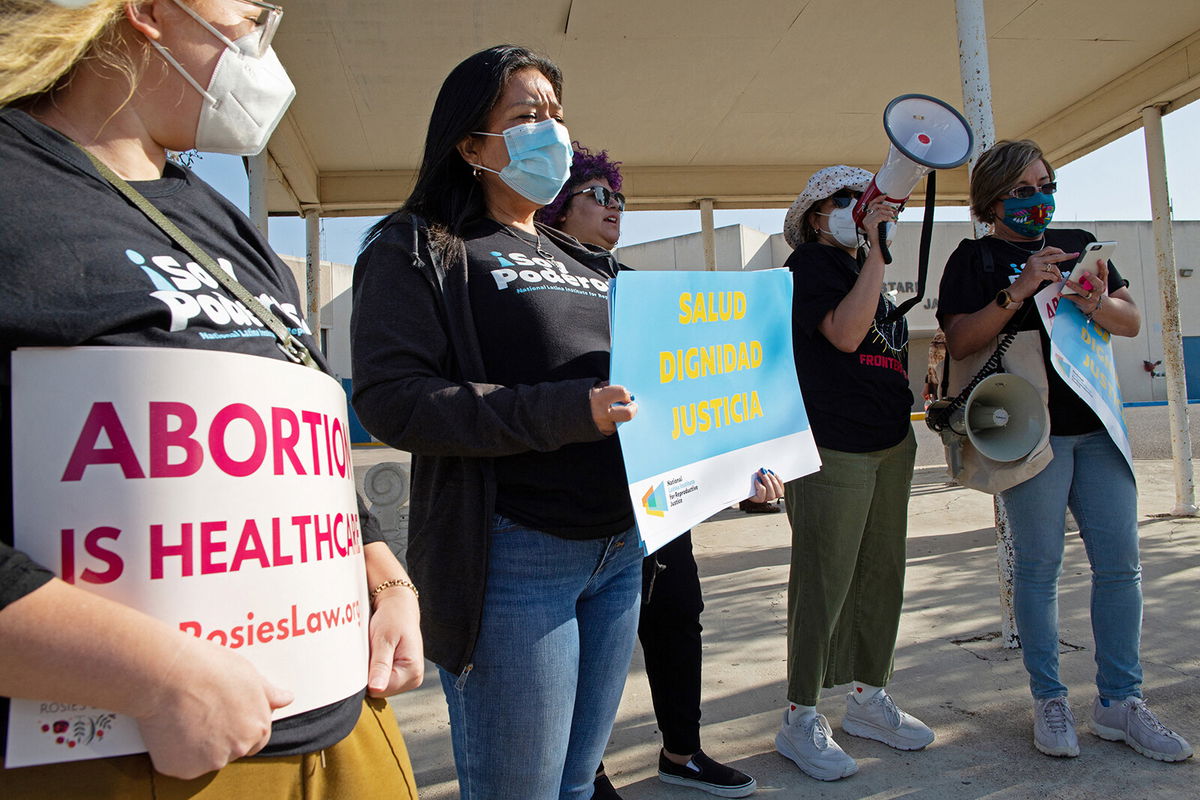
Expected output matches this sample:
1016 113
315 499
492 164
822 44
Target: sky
1108 184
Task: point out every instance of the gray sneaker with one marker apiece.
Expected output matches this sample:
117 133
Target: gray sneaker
810 744
879 719
1131 721
1054 728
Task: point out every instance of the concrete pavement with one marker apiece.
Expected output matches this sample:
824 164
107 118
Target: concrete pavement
950 669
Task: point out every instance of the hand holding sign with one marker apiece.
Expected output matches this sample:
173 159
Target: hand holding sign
767 486
397 653
213 707
610 405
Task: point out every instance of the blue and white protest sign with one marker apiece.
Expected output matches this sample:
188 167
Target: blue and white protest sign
708 358
1082 354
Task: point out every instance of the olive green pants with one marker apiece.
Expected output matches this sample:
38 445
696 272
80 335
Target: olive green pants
371 762
849 524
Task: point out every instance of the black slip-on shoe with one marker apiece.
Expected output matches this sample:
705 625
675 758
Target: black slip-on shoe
702 773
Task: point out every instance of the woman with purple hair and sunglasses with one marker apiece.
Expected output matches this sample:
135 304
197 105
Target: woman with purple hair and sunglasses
589 207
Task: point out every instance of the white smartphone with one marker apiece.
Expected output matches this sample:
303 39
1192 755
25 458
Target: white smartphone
1087 262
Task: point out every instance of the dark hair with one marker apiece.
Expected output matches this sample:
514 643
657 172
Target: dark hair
998 170
446 193
584 167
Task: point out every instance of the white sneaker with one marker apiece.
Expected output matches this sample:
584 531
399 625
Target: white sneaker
879 719
810 744
1054 728
1131 721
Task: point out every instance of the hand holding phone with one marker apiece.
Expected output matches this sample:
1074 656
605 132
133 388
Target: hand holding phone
1093 253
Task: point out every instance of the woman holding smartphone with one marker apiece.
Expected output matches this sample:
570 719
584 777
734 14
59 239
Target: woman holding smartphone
987 290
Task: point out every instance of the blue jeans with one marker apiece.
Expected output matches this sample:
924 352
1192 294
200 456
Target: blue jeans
1089 475
532 713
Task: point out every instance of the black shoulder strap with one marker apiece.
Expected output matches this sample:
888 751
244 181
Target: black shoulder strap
923 252
989 265
985 255
291 345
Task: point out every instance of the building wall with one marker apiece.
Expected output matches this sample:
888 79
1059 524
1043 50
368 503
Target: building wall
335 309
736 247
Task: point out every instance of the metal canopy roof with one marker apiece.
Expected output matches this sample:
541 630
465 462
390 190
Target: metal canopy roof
738 102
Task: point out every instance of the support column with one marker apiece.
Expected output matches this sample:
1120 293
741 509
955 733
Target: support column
707 235
256 170
1172 337
312 283
976 79
976 82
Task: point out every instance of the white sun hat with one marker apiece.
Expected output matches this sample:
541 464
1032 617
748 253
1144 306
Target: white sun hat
824 183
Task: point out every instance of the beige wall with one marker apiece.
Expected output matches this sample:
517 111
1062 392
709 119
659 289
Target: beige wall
335 308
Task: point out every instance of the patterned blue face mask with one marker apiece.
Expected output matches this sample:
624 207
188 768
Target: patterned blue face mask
1028 216
539 159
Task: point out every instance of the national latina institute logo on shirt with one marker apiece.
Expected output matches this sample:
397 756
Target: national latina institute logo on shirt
193 297
532 274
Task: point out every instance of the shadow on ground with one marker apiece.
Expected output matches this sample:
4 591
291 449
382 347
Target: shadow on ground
948 671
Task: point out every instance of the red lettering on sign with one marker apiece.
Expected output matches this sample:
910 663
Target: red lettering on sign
160 551
102 418
285 444
217 435
163 438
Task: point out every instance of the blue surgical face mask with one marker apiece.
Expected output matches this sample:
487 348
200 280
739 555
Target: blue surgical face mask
539 159
1028 216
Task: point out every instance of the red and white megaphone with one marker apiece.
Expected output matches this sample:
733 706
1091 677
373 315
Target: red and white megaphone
926 134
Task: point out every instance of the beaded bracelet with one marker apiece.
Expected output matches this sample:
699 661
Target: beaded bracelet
394 582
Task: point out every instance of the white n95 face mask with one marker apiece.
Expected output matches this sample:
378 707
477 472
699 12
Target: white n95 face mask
245 99
842 227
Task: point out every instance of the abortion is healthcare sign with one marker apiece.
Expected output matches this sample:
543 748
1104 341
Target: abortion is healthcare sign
210 490
708 358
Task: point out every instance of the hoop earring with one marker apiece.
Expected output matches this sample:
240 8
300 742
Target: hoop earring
475 173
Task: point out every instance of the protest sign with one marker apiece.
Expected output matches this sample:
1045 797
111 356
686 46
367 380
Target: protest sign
210 490
708 358
1082 354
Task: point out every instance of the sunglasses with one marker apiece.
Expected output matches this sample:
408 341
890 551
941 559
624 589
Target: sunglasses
604 197
842 201
1026 192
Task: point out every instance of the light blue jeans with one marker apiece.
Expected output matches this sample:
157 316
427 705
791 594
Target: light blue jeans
531 715
1090 476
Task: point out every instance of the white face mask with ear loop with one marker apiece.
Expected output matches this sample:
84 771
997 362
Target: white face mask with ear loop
842 227
245 99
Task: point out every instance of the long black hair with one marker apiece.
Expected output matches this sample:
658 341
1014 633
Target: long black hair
446 194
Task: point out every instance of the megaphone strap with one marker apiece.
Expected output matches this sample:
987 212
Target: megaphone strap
922 254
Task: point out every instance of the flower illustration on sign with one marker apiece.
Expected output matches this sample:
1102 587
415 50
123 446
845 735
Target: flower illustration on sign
80 730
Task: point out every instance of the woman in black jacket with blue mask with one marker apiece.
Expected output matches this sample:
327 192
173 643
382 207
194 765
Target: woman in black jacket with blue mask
481 346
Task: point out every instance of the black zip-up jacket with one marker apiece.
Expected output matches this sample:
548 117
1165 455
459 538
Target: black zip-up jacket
419 386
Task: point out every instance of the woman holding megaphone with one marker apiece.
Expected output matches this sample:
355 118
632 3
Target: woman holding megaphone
849 520
987 290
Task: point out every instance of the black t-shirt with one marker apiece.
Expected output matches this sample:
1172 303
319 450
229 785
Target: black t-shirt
79 265
856 402
546 319
967 286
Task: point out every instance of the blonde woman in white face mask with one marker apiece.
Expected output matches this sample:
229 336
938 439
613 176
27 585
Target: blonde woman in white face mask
849 519
91 97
